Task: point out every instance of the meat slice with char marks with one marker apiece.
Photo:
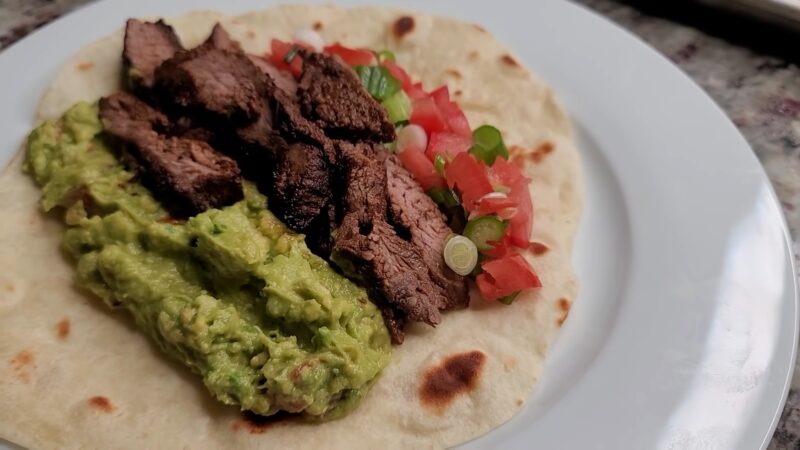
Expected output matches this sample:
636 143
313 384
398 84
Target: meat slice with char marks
188 174
415 212
216 86
283 81
331 94
146 46
300 188
392 267
220 39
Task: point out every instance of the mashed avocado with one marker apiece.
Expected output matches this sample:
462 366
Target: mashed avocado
231 292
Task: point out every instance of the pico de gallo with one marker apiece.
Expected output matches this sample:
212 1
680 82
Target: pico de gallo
465 171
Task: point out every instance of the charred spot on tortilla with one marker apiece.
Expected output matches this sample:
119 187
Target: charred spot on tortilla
458 374
458 93
564 306
21 364
10 287
63 329
101 403
538 248
509 60
519 402
544 149
317 26
84 66
250 34
479 28
402 26
255 424
473 55
454 73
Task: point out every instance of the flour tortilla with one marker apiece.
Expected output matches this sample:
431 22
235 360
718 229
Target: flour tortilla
105 386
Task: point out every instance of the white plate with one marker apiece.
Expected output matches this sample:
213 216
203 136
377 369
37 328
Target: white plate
684 332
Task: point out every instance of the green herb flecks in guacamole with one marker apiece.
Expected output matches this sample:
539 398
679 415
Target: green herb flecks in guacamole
231 293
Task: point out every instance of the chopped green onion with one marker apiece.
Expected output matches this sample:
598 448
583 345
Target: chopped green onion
384 55
487 144
438 163
290 55
398 107
390 146
501 188
508 299
460 255
444 196
483 230
378 81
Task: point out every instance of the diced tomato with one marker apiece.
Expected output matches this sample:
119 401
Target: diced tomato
470 177
351 56
421 168
501 248
416 91
456 120
447 144
522 222
494 205
505 276
398 73
486 286
512 177
507 174
441 96
279 50
425 114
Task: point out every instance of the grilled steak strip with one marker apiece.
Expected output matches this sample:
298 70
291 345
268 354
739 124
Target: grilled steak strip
215 86
282 80
146 46
220 39
186 172
392 267
331 95
301 188
412 210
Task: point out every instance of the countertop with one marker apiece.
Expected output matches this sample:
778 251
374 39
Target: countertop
760 93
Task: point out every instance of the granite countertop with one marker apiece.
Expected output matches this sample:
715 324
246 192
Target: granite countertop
760 93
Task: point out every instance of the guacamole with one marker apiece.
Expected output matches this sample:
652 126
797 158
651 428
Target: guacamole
231 292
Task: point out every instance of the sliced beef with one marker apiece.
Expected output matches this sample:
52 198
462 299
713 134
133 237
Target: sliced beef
146 46
188 174
127 118
220 39
395 321
413 211
301 187
393 268
290 120
216 86
331 95
253 146
282 79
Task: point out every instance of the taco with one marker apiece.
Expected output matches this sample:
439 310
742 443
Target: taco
272 210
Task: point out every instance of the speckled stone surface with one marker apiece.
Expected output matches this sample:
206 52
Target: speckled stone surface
761 94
